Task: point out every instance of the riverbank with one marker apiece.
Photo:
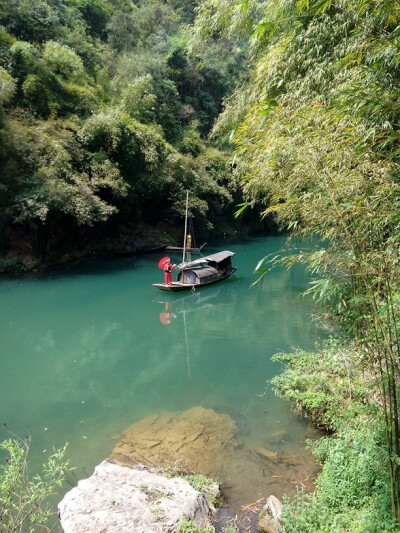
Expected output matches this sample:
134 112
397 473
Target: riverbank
352 492
20 257
144 238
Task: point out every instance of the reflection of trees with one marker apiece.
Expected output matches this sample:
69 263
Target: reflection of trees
272 311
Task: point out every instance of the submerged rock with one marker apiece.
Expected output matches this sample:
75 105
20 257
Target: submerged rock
207 442
197 439
266 454
279 436
118 498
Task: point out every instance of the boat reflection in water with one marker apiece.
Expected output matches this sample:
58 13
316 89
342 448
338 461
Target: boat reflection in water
179 307
167 314
183 305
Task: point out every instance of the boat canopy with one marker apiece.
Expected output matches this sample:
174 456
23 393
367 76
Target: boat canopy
193 264
220 256
202 261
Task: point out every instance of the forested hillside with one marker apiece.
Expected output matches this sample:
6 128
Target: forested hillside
315 135
111 110
104 119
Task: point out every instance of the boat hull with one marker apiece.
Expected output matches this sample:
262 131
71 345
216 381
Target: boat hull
178 286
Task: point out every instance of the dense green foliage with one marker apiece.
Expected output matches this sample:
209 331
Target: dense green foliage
103 121
352 491
327 386
23 500
338 394
314 131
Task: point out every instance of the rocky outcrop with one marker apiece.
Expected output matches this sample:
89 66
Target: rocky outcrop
131 499
269 520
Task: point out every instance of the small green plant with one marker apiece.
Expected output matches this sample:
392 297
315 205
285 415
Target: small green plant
22 500
174 470
187 526
157 514
229 529
154 494
203 484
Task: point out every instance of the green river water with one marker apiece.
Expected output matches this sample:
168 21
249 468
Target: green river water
88 349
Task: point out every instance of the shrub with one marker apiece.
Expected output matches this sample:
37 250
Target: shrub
351 491
22 500
11 265
327 385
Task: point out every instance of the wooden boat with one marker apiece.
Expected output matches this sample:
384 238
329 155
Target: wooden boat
201 272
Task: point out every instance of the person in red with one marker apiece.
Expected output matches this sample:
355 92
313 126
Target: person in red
168 268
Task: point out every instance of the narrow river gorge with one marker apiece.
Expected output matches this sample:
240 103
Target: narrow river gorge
92 349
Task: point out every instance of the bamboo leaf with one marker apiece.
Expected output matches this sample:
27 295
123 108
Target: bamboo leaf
241 209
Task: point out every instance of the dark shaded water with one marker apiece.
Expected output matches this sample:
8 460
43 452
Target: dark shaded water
87 350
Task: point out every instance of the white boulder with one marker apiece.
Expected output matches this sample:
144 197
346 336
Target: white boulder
131 499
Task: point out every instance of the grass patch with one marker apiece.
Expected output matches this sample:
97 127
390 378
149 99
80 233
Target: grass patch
203 484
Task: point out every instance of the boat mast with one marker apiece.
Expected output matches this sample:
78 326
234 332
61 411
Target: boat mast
186 220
